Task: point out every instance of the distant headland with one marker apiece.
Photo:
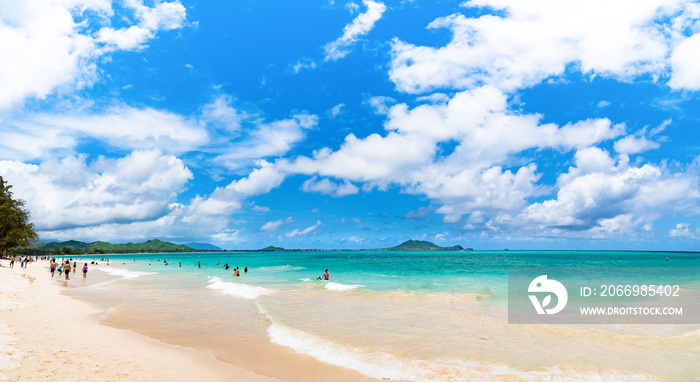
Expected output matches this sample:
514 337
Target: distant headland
73 247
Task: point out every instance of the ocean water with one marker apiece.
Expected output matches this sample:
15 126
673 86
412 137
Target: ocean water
418 316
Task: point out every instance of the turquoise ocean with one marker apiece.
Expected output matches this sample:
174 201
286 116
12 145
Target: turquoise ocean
397 315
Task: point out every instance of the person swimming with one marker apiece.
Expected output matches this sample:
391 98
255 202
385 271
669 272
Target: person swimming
325 276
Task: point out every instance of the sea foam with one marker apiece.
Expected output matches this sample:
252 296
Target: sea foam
124 273
341 287
249 292
380 365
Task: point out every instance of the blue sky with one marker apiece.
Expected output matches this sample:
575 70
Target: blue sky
492 124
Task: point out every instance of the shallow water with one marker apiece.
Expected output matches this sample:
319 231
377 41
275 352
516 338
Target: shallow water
398 315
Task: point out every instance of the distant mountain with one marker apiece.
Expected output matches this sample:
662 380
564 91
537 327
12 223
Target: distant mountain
100 247
203 247
73 244
418 245
271 249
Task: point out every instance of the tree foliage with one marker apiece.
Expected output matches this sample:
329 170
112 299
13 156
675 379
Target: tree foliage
15 228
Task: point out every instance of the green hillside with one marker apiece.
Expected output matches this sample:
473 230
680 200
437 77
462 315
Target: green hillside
418 245
102 247
272 249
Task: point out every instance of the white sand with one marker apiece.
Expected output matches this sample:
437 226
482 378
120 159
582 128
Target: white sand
46 336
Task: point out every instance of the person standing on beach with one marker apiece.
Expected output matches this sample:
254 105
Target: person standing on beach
53 266
66 269
12 261
85 269
75 266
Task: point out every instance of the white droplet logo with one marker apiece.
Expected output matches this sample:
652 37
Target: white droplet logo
541 284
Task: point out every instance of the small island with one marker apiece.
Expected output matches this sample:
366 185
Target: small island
419 245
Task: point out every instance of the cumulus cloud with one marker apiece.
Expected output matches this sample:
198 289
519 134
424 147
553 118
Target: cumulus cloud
600 196
47 45
686 74
360 26
71 192
526 42
485 135
683 230
163 16
224 201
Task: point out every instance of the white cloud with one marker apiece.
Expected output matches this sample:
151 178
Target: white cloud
374 158
360 26
684 230
264 140
659 129
634 145
229 236
485 136
684 59
74 193
296 232
128 128
31 141
163 16
275 225
601 195
325 186
533 40
355 239
133 198
47 47
381 104
601 198
352 6
337 109
306 63
225 201
260 181
220 113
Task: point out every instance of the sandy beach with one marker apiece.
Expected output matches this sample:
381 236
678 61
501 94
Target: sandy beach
47 336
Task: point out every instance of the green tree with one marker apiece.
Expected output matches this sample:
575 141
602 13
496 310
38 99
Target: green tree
15 228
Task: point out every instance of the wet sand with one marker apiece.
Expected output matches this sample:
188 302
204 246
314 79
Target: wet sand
47 336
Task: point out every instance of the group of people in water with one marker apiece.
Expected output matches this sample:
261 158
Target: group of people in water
66 268
236 271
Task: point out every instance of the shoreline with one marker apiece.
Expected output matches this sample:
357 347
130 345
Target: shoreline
53 337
